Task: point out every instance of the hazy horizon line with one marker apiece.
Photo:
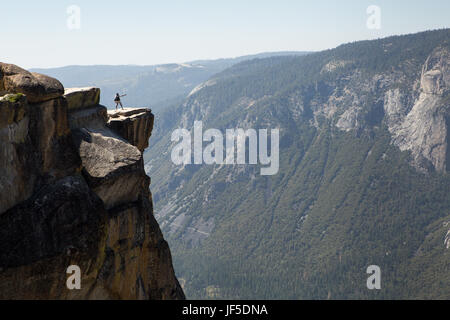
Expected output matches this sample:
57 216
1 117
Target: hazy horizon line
184 62
238 56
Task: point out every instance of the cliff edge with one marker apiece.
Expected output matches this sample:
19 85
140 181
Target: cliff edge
73 191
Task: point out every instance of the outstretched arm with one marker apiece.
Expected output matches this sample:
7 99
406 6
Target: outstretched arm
124 95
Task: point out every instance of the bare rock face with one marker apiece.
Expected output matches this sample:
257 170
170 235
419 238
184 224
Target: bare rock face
135 125
81 98
61 225
14 134
94 117
413 103
36 147
74 192
424 129
112 166
62 210
447 240
135 243
35 86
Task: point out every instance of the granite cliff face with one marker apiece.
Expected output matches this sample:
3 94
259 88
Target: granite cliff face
415 108
424 129
73 191
412 99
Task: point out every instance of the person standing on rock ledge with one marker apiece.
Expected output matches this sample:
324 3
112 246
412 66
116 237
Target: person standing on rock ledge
117 100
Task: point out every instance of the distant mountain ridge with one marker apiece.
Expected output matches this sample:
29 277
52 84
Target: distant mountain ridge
154 86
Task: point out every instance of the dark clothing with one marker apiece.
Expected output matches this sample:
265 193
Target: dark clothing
117 100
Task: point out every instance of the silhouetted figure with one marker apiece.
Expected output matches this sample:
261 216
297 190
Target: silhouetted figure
117 100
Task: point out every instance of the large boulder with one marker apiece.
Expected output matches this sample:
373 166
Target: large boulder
37 87
8 70
113 168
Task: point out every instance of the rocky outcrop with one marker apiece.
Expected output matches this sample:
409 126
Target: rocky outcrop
74 192
412 100
14 132
81 98
37 87
36 147
424 129
135 125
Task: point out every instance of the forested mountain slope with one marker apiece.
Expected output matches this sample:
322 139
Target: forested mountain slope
363 176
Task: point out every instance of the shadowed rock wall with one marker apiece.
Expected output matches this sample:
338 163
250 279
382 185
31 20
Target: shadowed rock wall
73 191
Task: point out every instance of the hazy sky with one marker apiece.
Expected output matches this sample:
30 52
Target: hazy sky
35 33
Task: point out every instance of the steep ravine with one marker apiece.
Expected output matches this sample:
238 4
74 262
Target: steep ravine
73 191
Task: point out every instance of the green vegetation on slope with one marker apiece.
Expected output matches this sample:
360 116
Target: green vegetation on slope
341 201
